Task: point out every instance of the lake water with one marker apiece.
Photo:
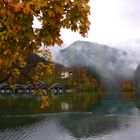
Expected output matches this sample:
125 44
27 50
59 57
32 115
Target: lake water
110 118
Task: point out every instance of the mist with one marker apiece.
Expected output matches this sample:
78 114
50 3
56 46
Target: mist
113 65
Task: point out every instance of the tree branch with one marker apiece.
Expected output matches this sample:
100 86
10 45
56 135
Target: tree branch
6 78
30 79
10 74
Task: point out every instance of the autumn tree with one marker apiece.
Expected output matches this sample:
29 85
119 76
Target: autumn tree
18 38
81 80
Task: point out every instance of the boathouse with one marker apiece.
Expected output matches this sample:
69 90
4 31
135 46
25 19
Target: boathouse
57 89
5 89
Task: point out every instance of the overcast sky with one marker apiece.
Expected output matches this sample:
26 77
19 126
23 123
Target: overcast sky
112 22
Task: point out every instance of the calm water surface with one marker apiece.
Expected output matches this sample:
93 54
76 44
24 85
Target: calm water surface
111 118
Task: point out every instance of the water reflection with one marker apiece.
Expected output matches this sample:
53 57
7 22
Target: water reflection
88 125
80 102
137 101
96 117
127 96
16 121
98 103
77 126
18 127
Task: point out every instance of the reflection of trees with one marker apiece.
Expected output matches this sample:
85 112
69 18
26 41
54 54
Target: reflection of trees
131 96
114 105
84 102
98 103
13 105
87 125
137 101
127 96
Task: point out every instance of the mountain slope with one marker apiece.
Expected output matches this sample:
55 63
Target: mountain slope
113 65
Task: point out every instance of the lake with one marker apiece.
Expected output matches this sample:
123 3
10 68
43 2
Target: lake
78 117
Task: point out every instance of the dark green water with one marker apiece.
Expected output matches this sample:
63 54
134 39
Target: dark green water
73 117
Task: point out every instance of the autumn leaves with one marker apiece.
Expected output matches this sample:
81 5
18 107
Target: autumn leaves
18 39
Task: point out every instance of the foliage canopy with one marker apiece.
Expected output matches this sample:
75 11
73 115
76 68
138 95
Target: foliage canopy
18 38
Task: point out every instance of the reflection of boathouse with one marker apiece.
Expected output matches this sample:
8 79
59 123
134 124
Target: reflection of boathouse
57 89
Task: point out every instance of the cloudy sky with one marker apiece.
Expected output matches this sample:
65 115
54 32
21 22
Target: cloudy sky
113 22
